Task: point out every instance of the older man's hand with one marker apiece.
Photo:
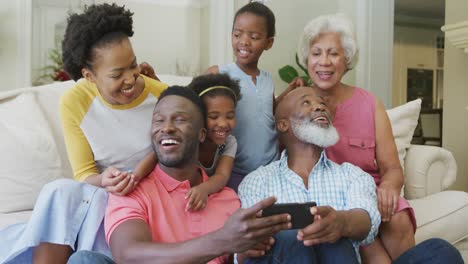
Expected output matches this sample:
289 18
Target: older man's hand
327 227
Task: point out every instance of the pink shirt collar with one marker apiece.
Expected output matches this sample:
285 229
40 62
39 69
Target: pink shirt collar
172 184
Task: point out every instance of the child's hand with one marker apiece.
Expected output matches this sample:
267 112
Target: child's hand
297 82
197 198
118 182
148 70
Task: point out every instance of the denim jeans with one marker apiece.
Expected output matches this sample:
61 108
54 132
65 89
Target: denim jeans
85 256
287 249
433 251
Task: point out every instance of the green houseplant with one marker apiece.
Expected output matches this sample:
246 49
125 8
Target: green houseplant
287 73
53 72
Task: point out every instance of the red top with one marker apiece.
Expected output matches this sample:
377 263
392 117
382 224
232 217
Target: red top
354 120
159 200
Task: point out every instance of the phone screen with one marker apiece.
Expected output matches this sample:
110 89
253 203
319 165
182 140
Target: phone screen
299 212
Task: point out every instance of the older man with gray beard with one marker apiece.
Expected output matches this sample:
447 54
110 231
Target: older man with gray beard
346 216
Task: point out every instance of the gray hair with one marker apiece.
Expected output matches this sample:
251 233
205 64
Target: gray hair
336 23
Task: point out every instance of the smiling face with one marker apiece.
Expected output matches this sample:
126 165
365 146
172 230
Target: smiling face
177 130
115 72
310 107
306 116
220 117
326 61
249 38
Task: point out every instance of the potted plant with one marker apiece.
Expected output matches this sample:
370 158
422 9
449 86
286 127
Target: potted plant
53 72
287 73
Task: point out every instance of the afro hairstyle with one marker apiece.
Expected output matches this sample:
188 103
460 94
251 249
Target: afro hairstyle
99 25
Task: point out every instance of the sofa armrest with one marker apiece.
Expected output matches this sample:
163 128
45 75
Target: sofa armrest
428 170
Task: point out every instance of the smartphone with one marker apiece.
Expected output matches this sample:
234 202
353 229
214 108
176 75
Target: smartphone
299 212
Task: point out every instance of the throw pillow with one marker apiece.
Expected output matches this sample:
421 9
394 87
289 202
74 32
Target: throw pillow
404 119
29 157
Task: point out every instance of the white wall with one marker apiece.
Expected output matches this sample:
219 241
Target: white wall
455 116
178 37
167 34
8 46
14 44
168 37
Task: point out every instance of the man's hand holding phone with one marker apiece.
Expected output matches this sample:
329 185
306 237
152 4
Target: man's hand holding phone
300 213
327 226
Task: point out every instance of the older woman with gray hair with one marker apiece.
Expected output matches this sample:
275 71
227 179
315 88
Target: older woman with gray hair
328 49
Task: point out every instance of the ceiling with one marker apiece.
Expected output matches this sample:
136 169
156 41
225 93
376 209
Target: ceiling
433 9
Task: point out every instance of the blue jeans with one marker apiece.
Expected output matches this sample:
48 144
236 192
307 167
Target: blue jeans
287 249
85 256
434 251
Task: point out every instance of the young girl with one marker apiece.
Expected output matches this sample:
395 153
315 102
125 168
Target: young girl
220 95
253 32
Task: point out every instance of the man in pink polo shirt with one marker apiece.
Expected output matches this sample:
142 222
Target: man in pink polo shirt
152 225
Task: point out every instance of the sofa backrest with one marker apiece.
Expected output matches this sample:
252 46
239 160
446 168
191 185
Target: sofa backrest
32 147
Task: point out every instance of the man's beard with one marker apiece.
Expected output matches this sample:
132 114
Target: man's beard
184 157
309 132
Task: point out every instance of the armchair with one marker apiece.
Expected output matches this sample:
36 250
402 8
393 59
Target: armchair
439 212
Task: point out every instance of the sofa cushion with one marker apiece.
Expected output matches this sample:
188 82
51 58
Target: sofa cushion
14 218
174 79
29 156
404 119
442 215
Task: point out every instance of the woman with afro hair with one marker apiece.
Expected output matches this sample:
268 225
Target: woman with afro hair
106 124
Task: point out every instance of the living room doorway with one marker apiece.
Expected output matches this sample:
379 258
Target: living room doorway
418 63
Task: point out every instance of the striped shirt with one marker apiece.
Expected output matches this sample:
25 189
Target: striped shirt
342 187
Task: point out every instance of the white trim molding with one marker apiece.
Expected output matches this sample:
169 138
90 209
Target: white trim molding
457 34
24 40
221 16
176 3
374 31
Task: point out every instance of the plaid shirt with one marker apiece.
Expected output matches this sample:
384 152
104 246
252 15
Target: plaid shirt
342 187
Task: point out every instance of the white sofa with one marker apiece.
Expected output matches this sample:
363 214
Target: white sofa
33 153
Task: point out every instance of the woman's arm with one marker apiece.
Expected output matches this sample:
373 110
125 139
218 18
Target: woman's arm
78 148
390 169
80 154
